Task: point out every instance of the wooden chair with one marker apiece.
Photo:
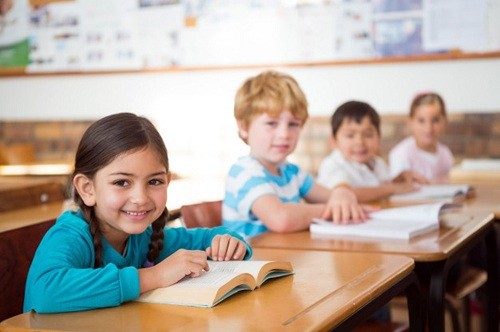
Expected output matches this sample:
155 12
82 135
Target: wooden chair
17 248
205 214
458 296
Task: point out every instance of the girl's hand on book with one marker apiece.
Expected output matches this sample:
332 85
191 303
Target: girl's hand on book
226 247
180 264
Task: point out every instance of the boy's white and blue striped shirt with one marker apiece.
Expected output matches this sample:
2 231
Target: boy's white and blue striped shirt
248 180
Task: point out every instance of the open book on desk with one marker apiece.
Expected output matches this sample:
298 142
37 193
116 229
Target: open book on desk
439 192
400 223
221 281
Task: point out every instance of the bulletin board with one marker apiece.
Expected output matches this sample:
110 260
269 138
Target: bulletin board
89 36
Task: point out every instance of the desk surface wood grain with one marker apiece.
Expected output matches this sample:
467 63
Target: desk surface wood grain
326 289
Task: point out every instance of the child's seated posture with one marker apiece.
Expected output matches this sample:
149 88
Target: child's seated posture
263 190
422 152
116 246
356 140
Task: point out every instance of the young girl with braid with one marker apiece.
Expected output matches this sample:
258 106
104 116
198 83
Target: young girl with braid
116 245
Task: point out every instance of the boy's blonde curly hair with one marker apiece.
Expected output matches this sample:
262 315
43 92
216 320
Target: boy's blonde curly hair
270 92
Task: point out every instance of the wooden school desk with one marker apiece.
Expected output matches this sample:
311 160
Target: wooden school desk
439 249
486 198
476 170
328 290
31 215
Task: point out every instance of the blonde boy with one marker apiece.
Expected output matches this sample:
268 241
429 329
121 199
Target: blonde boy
263 190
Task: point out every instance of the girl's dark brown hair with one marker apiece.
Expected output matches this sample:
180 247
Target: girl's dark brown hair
101 143
427 98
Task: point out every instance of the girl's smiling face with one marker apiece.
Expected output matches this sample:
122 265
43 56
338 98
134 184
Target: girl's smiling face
427 124
128 194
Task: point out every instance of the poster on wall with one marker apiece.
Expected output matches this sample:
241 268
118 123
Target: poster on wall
159 25
109 31
353 37
397 28
55 37
14 46
455 24
96 35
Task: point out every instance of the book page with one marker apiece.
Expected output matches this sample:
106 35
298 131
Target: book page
222 280
394 223
418 212
204 290
441 192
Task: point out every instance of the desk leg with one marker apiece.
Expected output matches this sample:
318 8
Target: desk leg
435 302
439 275
491 302
416 305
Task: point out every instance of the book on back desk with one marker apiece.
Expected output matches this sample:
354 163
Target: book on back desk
437 192
402 223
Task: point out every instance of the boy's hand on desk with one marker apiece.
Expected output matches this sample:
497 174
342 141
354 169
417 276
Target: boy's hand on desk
343 207
226 247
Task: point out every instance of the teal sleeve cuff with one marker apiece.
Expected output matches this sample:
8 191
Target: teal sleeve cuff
249 253
129 284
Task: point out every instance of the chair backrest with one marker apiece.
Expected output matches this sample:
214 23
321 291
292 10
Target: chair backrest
17 248
205 214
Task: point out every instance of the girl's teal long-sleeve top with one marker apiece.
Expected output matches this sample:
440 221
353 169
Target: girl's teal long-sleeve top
62 276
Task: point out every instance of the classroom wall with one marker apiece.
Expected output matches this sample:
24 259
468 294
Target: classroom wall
193 109
468 85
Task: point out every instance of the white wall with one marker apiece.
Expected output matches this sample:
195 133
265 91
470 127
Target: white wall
466 85
193 109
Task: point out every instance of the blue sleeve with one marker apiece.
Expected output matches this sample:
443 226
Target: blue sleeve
195 239
62 276
307 184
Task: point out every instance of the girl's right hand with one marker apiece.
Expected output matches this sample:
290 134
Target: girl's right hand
180 264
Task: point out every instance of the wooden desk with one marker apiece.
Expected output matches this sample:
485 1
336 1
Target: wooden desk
486 198
29 216
328 290
439 249
477 170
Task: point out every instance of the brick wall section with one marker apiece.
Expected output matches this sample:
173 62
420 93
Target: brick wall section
468 135
52 140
